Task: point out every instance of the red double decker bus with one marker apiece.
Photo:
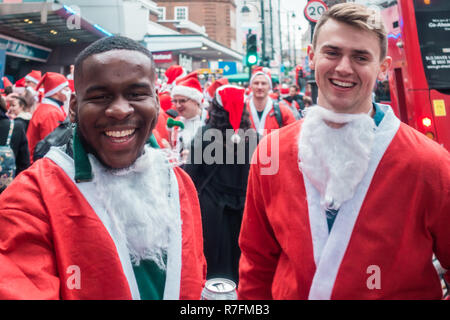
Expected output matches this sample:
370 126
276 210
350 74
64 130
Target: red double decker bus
418 84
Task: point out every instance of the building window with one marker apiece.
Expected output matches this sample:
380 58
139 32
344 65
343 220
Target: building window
162 13
181 13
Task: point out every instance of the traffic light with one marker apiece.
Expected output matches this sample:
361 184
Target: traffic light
252 54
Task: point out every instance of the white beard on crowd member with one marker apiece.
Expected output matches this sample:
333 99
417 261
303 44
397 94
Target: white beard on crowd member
335 160
138 201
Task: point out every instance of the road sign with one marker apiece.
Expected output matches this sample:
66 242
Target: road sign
314 10
228 67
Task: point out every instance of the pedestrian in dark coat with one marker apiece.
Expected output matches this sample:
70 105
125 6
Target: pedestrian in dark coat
220 177
18 142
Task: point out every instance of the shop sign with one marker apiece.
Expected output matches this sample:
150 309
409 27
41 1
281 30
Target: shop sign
162 57
17 48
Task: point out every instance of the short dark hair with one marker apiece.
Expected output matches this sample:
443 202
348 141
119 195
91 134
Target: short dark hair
108 44
23 103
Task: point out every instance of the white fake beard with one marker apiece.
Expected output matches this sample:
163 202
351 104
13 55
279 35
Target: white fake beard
335 160
138 201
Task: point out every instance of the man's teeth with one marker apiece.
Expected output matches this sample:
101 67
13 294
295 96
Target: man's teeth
343 84
119 134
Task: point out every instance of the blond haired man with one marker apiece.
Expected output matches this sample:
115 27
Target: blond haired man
345 216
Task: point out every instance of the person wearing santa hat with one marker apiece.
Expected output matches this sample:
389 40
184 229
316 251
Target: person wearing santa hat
285 99
33 78
266 114
105 216
162 133
187 97
172 73
360 201
210 92
221 178
50 112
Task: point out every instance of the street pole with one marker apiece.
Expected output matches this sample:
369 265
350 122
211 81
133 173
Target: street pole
295 54
263 40
289 38
271 30
312 80
280 35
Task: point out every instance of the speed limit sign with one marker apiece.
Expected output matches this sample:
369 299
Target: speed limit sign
314 10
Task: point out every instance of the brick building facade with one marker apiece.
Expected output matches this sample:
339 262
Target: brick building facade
217 16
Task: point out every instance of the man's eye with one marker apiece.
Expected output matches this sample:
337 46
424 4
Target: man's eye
100 97
331 53
362 59
138 95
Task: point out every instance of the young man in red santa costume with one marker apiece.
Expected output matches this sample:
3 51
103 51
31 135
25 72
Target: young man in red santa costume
360 201
51 111
264 114
114 221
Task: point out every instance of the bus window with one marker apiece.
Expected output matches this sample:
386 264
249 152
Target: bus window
433 26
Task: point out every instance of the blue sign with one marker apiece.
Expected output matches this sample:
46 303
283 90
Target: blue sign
17 48
229 67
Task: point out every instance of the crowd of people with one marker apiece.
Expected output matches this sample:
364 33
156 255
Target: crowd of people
157 188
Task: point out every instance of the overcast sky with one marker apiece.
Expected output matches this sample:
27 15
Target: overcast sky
296 6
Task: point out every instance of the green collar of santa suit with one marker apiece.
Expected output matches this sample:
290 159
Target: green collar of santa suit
146 280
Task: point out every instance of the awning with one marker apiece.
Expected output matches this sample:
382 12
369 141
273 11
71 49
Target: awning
195 45
47 24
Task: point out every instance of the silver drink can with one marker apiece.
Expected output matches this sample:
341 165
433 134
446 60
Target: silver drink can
219 289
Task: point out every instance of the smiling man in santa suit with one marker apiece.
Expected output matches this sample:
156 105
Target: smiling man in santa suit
114 221
361 201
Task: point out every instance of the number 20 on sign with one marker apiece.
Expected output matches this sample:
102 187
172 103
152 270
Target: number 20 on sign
314 10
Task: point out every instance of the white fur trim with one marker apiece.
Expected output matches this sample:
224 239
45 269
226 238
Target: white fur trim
57 89
260 73
260 123
30 78
188 92
173 278
329 249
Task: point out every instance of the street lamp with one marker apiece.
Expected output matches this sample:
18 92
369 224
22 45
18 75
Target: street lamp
288 15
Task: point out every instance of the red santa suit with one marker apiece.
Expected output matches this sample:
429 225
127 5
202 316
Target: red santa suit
268 120
45 119
398 216
51 226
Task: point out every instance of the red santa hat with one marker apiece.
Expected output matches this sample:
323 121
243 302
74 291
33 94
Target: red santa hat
231 98
284 90
189 87
211 91
174 72
20 83
165 101
71 85
53 83
261 71
34 76
6 82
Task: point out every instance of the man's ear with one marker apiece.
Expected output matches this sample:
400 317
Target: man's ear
384 68
73 108
310 52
